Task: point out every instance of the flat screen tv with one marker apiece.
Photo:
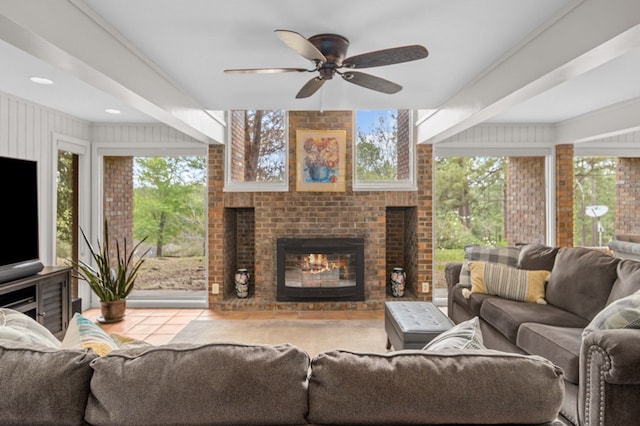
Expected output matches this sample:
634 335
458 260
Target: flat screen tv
19 245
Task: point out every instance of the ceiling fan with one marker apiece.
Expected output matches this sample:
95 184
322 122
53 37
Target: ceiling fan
328 52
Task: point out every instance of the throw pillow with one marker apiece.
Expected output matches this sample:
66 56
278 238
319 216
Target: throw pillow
508 282
466 335
622 313
19 327
84 333
502 255
126 342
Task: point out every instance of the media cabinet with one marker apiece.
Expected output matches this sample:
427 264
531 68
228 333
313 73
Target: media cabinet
45 297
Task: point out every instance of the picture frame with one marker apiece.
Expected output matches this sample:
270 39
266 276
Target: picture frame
320 160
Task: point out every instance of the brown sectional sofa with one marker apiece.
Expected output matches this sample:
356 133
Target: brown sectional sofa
233 384
602 370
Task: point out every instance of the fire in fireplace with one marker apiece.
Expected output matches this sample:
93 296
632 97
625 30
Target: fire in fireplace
314 269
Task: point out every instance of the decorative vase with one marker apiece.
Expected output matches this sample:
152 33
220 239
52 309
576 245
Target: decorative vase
242 283
112 311
398 278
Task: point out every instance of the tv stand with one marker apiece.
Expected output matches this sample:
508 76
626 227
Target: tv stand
45 297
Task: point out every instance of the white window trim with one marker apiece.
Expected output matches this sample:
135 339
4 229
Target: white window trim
231 186
410 184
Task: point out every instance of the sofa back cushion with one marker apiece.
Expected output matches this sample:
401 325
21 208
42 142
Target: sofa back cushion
418 387
214 384
627 281
581 280
535 257
43 386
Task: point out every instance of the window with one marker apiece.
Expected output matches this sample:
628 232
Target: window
257 152
384 153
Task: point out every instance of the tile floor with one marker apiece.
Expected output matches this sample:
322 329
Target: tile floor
159 326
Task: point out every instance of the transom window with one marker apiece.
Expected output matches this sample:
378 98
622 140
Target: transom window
257 155
383 150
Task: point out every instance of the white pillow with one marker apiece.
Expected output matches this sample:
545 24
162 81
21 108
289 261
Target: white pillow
466 335
622 313
19 327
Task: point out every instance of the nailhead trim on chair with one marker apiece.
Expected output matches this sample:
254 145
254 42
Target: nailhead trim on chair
601 373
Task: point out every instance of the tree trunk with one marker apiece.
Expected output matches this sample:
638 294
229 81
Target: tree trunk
161 226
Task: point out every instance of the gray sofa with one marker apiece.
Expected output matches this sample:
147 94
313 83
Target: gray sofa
602 370
233 384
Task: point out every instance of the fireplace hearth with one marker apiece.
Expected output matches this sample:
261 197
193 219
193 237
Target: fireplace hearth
320 269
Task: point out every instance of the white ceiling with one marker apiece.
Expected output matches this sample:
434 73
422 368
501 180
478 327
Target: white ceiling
509 61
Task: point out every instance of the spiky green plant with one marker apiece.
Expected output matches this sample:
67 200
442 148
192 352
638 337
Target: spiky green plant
110 283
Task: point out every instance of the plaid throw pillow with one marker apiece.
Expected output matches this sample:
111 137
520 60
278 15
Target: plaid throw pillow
503 255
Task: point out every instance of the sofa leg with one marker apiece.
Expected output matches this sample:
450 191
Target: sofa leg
388 343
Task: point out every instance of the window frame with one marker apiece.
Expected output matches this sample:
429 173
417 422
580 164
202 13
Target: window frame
409 184
234 186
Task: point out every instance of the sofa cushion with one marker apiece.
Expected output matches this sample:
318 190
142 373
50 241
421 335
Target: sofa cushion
507 315
466 335
215 384
621 313
471 304
503 255
508 282
19 327
581 281
419 387
627 281
537 257
560 345
43 386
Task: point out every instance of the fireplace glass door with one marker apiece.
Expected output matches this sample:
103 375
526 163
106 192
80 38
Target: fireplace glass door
320 268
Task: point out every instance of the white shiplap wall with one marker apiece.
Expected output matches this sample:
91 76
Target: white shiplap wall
27 131
32 132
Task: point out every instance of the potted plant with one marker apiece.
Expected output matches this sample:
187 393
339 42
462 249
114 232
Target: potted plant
111 279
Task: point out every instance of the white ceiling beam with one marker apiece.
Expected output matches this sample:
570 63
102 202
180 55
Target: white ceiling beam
67 35
611 121
589 35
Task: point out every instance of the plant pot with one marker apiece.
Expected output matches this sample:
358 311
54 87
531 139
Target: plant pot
112 311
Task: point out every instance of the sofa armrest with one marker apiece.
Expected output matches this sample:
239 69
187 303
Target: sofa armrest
609 388
452 274
619 349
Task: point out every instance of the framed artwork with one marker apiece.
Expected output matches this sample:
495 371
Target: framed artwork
320 160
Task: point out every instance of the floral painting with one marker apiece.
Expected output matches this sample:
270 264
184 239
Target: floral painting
320 160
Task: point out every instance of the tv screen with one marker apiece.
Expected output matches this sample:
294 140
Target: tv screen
19 248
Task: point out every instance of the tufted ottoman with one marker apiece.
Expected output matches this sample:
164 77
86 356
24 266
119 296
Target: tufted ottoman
411 325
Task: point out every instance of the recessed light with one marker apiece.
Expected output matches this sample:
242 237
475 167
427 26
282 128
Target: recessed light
41 80
112 111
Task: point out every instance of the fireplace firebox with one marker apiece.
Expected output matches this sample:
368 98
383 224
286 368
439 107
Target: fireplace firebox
320 269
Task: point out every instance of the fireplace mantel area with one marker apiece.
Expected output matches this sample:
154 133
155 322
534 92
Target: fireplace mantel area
245 227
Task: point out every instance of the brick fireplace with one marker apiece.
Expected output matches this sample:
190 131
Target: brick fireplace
244 227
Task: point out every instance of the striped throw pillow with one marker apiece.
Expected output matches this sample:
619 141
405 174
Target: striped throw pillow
466 335
508 282
622 313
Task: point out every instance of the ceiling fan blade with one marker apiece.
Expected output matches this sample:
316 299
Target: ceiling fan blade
394 55
310 87
264 70
300 44
372 82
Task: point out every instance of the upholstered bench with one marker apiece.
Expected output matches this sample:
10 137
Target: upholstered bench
411 325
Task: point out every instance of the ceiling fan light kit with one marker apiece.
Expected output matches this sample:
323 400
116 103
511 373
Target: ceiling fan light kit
328 54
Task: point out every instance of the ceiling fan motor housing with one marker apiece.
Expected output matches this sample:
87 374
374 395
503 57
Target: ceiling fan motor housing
334 47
